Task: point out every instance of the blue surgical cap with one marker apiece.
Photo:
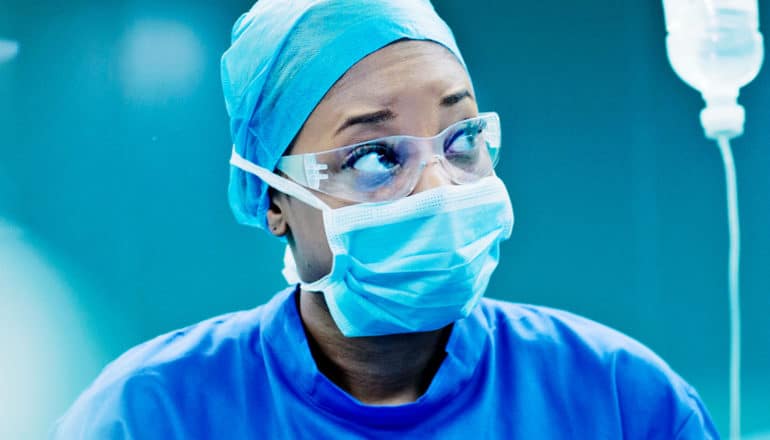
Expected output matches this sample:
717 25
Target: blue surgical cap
285 55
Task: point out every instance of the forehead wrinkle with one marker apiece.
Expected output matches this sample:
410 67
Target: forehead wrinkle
347 102
397 77
376 66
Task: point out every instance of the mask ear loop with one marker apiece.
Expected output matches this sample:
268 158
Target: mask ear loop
281 184
289 271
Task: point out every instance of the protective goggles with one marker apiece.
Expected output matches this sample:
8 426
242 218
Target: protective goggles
389 168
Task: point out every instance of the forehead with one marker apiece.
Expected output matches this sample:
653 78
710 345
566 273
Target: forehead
407 79
408 66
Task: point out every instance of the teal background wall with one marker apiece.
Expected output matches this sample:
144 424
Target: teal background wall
113 171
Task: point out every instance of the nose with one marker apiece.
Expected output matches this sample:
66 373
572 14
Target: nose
433 176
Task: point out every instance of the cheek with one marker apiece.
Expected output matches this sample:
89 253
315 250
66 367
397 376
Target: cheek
311 250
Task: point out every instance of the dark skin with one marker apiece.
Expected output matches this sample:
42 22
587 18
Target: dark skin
413 88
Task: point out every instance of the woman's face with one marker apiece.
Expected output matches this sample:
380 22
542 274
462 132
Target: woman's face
415 88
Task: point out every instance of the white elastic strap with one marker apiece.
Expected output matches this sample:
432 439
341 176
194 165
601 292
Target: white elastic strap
289 271
284 185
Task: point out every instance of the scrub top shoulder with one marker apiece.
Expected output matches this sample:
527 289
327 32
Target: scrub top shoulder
510 371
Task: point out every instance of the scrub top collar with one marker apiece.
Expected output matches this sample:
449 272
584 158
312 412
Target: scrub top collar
287 356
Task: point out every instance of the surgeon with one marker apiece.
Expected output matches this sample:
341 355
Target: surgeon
358 142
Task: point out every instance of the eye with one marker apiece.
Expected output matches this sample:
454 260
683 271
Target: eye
371 158
468 137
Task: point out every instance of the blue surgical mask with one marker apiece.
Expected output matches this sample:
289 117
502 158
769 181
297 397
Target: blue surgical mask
415 264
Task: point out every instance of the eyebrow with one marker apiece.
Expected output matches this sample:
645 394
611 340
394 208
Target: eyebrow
368 118
381 116
455 98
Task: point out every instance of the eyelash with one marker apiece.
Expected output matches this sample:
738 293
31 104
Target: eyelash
362 151
477 127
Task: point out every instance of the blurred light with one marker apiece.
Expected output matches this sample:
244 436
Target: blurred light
44 345
160 59
8 50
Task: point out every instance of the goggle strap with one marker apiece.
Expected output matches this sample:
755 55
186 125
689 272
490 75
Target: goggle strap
284 185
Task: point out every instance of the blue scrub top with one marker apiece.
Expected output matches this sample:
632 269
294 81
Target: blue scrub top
511 371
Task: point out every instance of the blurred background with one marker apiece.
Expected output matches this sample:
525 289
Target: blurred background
114 224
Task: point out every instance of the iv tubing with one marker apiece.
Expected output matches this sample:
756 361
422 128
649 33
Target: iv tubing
733 271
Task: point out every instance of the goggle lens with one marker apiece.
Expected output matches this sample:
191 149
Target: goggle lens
389 168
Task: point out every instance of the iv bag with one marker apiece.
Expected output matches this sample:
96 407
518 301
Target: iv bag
715 47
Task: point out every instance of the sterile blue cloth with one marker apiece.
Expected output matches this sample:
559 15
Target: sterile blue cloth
285 55
511 371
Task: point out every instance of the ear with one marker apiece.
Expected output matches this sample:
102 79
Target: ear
276 214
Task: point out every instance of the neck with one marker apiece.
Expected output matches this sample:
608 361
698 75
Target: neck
377 370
